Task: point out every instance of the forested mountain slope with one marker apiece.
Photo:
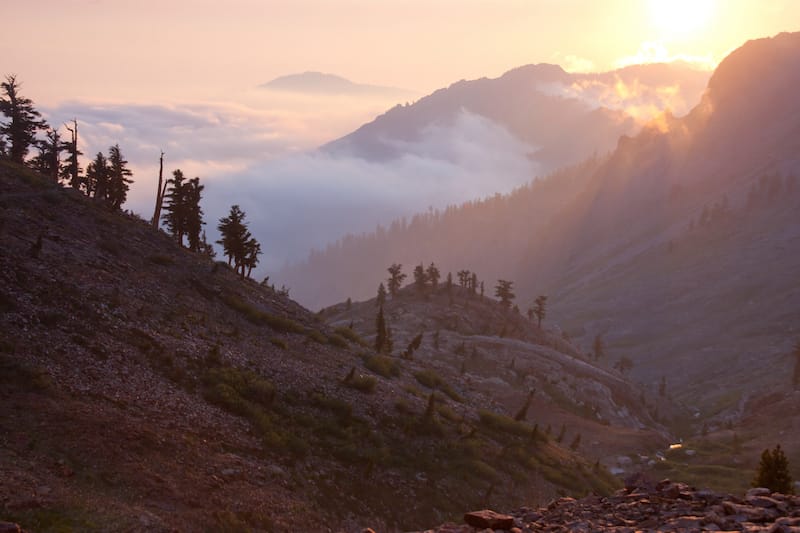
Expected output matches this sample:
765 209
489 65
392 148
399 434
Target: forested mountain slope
680 247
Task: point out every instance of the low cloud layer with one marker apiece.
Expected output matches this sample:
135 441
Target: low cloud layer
295 197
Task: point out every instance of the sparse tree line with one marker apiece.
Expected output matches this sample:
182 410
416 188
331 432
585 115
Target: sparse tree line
769 190
107 179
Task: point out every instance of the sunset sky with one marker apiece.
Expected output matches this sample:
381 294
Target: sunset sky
182 76
156 49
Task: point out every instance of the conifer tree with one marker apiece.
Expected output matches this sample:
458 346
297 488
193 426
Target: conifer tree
193 213
420 278
504 291
175 206
396 278
381 299
463 277
118 178
24 121
473 283
238 244
97 177
539 309
433 276
380 331
48 162
252 249
773 471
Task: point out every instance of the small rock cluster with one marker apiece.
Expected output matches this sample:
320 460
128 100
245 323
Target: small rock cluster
663 506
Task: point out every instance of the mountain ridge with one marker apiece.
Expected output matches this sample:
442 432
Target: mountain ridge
314 82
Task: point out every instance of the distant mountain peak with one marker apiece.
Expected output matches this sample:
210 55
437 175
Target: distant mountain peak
313 82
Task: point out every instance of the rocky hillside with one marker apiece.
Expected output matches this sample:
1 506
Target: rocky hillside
143 387
504 361
646 506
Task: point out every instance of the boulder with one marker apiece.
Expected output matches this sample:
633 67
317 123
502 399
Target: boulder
489 519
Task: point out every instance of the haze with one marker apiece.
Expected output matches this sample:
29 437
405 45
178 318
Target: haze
184 77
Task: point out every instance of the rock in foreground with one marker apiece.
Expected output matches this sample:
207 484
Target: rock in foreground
664 506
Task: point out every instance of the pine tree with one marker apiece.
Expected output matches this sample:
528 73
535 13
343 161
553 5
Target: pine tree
413 346
433 276
193 213
119 178
380 331
420 278
463 278
237 243
24 121
504 291
396 278
252 249
48 162
522 414
473 283
174 208
773 471
97 177
540 309
381 299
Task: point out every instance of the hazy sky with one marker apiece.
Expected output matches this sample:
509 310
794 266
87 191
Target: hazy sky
182 76
157 49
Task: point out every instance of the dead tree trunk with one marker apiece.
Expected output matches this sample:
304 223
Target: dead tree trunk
162 189
74 179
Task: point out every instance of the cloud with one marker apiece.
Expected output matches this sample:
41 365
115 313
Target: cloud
573 63
295 197
641 101
308 200
656 52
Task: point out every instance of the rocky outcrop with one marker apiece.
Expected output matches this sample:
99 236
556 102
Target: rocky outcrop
642 506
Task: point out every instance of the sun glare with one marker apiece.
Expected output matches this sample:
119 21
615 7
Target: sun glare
680 17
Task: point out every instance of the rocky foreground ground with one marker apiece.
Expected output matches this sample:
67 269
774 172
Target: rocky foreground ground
664 506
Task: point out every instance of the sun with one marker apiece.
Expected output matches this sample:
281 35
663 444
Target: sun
681 17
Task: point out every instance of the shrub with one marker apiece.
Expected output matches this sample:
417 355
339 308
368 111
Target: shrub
342 409
362 383
432 380
504 424
382 365
428 378
317 337
351 336
280 343
260 318
337 340
247 385
773 471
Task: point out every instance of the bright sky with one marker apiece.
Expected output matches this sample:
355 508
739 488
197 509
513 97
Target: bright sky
182 76
156 50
